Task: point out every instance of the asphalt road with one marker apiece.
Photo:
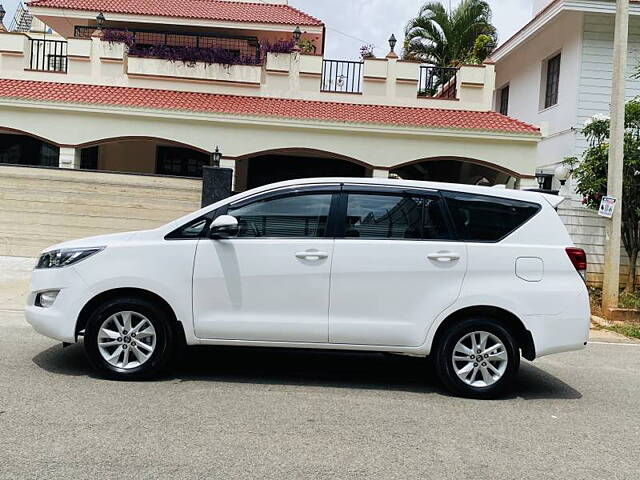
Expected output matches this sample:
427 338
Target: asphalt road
225 413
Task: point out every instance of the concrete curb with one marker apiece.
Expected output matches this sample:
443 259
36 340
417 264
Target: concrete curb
601 322
600 333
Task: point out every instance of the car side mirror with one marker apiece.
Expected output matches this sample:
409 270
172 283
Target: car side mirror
224 227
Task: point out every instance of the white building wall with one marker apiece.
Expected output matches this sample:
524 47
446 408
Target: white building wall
523 70
594 96
586 43
594 86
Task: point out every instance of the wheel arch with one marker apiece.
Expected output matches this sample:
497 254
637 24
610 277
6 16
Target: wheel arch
140 293
508 320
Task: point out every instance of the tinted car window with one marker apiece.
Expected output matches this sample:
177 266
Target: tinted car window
434 225
299 216
190 231
401 217
483 218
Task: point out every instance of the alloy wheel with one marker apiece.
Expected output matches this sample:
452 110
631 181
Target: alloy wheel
480 359
126 340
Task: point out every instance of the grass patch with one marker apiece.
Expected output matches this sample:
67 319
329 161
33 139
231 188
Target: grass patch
632 331
627 300
630 300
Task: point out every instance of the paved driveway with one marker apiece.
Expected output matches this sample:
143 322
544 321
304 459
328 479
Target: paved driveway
275 414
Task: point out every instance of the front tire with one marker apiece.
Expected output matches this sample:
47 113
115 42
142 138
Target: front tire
129 339
477 358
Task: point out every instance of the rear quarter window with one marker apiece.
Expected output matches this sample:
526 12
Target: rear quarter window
482 218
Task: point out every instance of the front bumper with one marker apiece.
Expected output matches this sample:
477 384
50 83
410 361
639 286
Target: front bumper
59 320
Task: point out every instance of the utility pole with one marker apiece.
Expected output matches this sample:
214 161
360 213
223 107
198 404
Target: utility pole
611 287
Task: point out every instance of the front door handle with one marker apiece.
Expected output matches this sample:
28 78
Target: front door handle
444 256
312 255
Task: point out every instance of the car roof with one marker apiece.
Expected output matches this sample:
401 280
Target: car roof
499 191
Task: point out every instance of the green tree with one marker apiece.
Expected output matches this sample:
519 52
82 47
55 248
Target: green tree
439 37
591 177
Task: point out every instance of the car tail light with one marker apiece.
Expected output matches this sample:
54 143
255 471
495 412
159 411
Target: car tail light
579 259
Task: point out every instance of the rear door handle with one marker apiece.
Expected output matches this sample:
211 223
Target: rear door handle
312 256
444 256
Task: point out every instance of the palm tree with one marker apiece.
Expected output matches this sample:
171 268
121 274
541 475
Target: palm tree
449 38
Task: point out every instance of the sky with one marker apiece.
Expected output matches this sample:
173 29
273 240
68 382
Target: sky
373 21
353 23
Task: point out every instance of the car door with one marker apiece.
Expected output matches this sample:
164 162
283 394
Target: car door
395 269
271 282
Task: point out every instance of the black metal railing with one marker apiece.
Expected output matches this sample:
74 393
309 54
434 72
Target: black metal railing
245 47
341 76
48 55
438 82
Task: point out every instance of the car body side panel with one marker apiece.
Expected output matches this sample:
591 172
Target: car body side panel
387 292
555 309
162 267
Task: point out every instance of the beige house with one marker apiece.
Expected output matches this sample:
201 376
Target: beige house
153 88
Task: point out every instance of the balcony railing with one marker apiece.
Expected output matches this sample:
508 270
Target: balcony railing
438 82
241 47
341 76
48 55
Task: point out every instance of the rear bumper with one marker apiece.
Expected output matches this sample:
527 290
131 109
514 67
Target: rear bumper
565 332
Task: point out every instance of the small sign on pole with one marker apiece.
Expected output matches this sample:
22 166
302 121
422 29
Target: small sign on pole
607 206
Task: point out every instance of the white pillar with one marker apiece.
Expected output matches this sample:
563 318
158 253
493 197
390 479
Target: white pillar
231 164
69 157
376 173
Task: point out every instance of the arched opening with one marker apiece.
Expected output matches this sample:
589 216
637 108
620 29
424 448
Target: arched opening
20 148
144 155
456 170
279 165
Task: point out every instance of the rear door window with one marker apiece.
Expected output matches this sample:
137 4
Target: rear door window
482 218
395 217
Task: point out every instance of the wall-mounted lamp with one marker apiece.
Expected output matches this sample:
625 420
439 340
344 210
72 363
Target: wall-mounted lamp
216 157
100 21
297 35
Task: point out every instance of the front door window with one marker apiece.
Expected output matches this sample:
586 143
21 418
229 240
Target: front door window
298 216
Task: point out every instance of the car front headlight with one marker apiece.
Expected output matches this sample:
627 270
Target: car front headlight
65 257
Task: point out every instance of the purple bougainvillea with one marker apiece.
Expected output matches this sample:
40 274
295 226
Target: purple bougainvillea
192 55
118 36
188 55
281 46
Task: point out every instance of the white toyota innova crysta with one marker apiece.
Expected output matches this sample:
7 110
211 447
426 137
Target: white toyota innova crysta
472 276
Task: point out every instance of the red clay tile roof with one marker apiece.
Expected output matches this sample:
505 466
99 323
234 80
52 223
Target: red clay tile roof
261 106
200 9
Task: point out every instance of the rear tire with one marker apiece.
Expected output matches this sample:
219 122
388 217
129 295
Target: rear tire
129 339
477 358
